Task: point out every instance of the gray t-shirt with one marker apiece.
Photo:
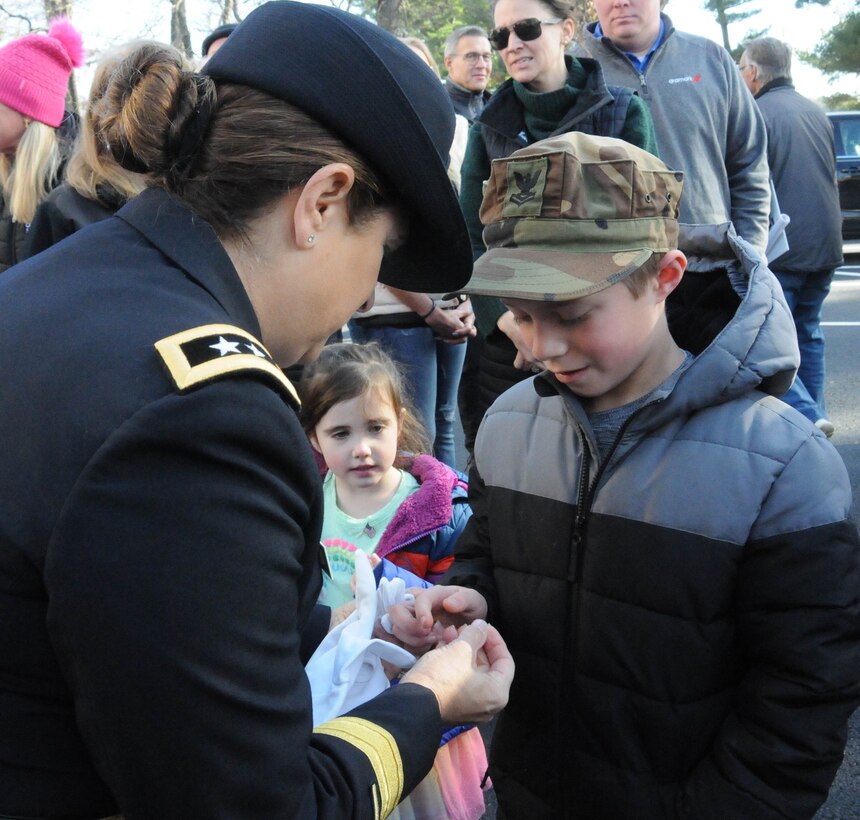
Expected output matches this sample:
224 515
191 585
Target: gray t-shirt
607 423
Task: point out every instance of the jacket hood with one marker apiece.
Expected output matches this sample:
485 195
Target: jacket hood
428 508
730 313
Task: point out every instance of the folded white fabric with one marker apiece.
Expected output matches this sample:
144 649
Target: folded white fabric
346 669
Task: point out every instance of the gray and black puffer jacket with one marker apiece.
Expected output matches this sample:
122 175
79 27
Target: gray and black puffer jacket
685 614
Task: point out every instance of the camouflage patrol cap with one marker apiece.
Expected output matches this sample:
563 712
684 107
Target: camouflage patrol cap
572 215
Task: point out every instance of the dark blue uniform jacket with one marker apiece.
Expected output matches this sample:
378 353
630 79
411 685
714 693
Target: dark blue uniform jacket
159 527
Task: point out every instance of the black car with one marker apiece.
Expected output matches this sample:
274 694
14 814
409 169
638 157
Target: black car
846 131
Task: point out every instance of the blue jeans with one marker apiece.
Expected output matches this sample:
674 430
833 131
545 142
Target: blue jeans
805 294
431 370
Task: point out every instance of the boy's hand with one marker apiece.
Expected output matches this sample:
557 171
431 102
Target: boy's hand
435 613
524 359
471 676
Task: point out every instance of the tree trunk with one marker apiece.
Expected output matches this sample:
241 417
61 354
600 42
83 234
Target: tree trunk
230 12
386 14
63 8
180 37
724 25
57 8
583 13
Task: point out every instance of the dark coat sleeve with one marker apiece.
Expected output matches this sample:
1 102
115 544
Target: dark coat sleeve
798 621
180 576
639 127
473 560
314 631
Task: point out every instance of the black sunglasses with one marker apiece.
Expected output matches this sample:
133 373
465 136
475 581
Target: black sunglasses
528 29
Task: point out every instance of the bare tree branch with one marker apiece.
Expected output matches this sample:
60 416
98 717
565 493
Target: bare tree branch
57 8
180 36
230 12
13 16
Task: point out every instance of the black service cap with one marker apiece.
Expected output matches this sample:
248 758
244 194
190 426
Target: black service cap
376 95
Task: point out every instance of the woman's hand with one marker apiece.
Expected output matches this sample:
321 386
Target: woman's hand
340 614
470 677
454 325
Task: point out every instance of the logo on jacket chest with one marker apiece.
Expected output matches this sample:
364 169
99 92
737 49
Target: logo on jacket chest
694 78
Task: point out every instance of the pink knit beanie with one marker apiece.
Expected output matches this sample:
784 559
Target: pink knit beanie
35 70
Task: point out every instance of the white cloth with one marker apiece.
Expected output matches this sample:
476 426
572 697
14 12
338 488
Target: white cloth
346 669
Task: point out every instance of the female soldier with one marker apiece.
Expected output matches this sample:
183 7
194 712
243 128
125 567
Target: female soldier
160 520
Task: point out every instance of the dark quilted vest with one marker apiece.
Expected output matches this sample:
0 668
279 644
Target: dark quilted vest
599 110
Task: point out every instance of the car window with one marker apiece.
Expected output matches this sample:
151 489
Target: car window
847 137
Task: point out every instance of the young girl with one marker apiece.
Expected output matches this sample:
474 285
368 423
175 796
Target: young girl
383 496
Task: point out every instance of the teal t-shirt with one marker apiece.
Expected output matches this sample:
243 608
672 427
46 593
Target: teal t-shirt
342 535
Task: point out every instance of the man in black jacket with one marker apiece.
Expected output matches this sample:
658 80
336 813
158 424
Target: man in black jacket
469 63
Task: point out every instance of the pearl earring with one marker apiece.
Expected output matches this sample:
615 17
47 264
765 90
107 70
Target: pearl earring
311 239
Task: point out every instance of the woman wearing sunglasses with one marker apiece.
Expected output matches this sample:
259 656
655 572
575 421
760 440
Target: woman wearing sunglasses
549 92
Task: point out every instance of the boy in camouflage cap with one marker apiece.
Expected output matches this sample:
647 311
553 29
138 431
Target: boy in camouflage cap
566 219
664 544
611 204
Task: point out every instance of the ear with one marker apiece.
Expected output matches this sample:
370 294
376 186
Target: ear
568 29
312 437
448 60
672 267
754 78
322 202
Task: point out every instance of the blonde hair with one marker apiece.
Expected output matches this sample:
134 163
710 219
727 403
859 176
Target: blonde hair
30 175
346 371
637 281
420 46
92 165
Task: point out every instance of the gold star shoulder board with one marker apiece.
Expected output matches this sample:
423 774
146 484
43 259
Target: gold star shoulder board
204 354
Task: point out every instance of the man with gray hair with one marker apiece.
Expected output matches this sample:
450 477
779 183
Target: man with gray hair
469 63
802 160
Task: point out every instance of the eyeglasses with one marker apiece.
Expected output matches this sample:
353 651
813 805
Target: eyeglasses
743 68
473 58
528 29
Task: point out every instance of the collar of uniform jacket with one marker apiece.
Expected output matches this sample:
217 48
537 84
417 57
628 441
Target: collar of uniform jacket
192 244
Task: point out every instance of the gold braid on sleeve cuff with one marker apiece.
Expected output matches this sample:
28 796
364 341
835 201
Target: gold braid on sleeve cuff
380 748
